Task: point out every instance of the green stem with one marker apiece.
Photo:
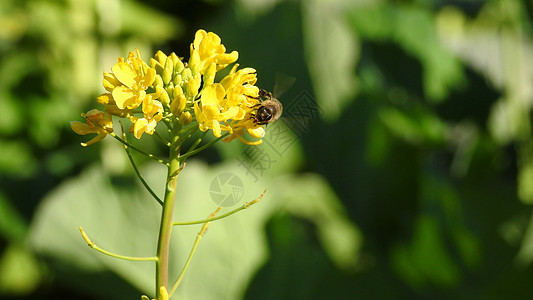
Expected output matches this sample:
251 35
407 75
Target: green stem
95 247
139 150
193 250
244 206
197 142
141 178
139 175
162 139
204 146
165 228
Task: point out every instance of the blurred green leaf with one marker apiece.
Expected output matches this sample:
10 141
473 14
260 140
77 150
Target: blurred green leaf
525 182
20 272
412 27
310 197
126 221
331 52
416 126
12 225
426 260
11 115
16 158
142 20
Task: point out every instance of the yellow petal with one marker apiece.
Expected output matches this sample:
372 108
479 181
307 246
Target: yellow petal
81 128
200 116
248 142
208 45
94 140
106 98
225 59
150 127
212 94
210 73
229 114
140 127
216 129
126 98
210 112
125 74
240 115
148 78
258 132
198 37
110 81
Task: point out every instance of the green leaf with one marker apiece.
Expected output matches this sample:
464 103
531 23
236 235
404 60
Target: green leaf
16 158
415 126
20 273
413 28
332 51
126 221
12 225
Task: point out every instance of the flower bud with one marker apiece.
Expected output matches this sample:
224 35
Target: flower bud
158 82
161 57
164 98
170 89
168 71
177 91
156 65
194 61
177 80
178 64
186 118
192 86
186 74
178 105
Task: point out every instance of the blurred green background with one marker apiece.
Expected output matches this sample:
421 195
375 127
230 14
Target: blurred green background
403 168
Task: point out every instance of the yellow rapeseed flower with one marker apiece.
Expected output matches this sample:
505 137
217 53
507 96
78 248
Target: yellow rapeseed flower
180 93
152 113
128 82
206 50
96 122
229 106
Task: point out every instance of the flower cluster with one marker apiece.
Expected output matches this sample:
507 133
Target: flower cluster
177 92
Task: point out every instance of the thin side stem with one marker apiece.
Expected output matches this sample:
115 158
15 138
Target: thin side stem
189 153
141 178
95 247
197 142
137 171
193 250
244 206
139 150
162 139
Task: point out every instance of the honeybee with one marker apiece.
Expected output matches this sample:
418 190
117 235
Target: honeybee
269 110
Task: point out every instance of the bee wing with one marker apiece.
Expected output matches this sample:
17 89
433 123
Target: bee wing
283 82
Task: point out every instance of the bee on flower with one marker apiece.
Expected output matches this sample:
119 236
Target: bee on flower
183 93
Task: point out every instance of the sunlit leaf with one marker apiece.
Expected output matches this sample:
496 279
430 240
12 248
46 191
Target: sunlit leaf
331 54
